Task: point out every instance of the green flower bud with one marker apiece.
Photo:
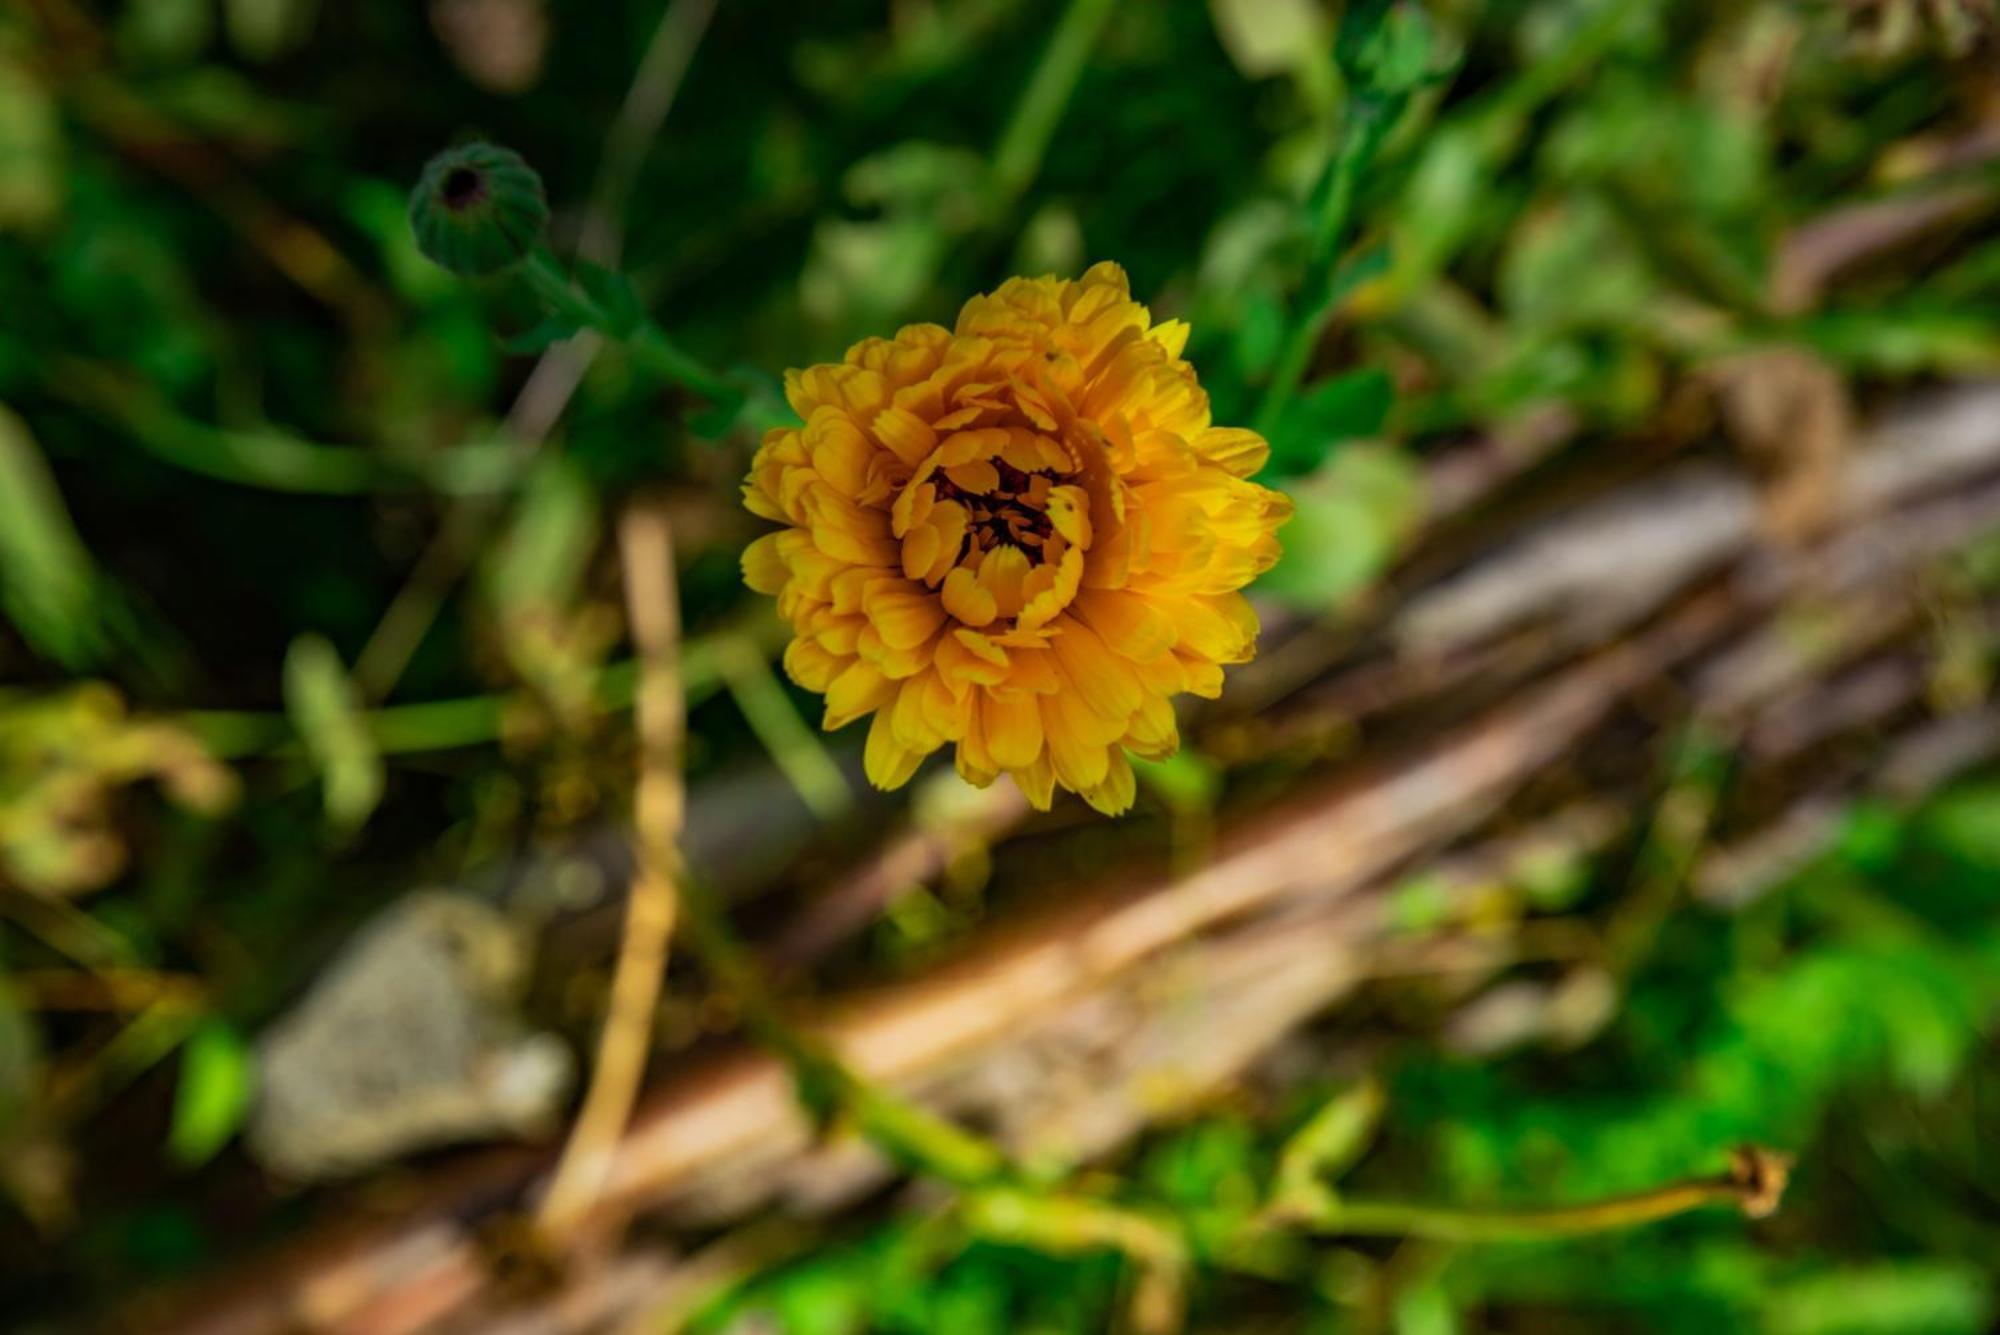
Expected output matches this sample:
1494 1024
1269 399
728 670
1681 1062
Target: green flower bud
478 209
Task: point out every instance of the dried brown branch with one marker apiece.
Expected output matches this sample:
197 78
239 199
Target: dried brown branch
652 608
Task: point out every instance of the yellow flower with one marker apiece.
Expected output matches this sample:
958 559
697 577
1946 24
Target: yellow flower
1022 537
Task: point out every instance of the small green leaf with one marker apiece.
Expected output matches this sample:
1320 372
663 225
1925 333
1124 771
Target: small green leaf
1966 822
552 330
1871 834
1187 780
1426 1310
539 563
1387 49
615 296
213 1095
1267 37
1332 1142
323 707
717 417
165 32
49 588
1912 1295
1346 407
1352 518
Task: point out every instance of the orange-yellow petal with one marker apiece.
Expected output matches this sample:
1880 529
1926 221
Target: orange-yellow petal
887 762
1013 728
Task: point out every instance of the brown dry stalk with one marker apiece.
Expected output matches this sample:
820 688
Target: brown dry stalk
652 608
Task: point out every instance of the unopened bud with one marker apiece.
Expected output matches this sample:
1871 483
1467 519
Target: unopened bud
478 209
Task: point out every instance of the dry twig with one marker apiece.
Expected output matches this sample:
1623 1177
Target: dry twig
653 609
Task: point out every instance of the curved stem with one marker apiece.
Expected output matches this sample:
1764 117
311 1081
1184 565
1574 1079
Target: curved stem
648 344
1444 1224
1753 1185
1368 122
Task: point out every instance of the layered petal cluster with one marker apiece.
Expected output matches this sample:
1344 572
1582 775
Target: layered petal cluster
1021 537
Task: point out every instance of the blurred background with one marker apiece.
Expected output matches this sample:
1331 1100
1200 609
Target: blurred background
1613 787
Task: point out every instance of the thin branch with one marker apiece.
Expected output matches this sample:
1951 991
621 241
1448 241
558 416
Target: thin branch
652 604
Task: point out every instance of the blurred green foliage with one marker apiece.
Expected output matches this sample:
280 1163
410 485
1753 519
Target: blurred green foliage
243 415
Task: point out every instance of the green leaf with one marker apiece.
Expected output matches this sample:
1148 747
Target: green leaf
1571 266
1267 37
615 296
1332 1142
539 563
1426 1310
1935 1297
552 330
49 588
1187 780
1346 407
323 707
1352 518
1388 50
165 32
1966 822
213 1095
717 417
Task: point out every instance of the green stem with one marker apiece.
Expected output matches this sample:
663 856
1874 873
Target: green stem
1445 1224
274 460
1017 157
650 347
1368 122
911 1135
792 744
474 720
1066 1223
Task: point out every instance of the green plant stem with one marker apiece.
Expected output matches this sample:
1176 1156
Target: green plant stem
1369 119
473 720
791 742
274 460
1017 157
650 347
1446 1224
913 1136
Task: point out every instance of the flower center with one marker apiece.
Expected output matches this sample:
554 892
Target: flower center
1014 513
998 521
